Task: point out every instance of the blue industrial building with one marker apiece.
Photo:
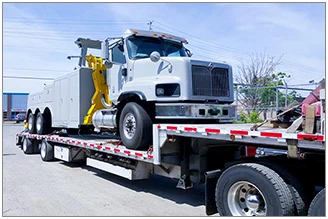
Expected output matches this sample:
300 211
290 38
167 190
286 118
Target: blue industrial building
12 104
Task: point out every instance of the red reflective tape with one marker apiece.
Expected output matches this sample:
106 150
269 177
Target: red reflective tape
138 154
99 146
61 139
127 152
57 139
150 156
107 148
190 129
212 130
172 127
73 141
116 150
238 132
85 143
78 142
68 140
271 134
310 137
158 126
92 145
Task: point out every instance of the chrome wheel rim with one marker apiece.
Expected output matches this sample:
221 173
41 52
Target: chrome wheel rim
43 150
38 123
245 199
129 125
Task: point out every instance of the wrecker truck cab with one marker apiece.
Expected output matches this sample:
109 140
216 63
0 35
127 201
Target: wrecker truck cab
141 78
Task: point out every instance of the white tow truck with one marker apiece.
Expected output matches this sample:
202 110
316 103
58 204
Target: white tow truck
183 142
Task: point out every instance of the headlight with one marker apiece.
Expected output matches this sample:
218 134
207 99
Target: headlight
159 91
168 90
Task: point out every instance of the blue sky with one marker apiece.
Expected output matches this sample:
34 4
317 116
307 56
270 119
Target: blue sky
37 37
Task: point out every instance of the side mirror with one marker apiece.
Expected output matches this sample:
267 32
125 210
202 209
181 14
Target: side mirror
124 72
155 56
120 46
108 64
189 53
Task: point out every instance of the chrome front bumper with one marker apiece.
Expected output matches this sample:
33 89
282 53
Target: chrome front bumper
225 113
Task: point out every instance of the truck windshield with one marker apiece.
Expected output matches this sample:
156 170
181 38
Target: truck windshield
142 47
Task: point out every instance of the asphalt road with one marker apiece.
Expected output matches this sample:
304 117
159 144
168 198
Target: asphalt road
32 187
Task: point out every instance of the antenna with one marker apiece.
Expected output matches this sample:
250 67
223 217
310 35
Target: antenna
150 23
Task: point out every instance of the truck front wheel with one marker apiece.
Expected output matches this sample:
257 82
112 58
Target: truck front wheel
251 189
135 127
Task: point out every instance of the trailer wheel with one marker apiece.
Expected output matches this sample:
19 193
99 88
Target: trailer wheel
135 127
18 140
253 190
46 151
42 124
27 146
31 123
317 206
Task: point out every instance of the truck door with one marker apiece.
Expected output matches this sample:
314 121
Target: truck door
115 78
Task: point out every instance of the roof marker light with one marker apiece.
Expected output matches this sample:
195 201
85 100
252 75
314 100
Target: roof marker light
155 34
163 35
135 32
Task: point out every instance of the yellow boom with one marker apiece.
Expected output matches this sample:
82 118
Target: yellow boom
101 88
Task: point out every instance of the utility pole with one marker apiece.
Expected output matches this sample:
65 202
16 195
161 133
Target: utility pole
149 24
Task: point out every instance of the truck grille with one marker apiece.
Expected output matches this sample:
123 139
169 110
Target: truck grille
210 83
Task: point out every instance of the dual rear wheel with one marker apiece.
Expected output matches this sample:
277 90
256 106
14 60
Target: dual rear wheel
39 124
251 189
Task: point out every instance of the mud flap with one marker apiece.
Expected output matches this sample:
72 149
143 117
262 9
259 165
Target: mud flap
211 178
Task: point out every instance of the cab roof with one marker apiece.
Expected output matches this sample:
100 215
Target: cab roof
155 34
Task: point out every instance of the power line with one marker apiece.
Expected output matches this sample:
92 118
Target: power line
230 48
72 22
31 69
80 20
23 77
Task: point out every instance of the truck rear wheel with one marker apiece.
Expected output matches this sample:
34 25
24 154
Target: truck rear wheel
135 127
31 123
253 190
318 204
46 151
42 124
27 146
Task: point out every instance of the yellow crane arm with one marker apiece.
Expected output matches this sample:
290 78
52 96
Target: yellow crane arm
101 88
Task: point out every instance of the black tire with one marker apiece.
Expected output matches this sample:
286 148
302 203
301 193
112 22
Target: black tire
46 151
31 123
318 204
141 129
269 185
44 126
27 146
301 200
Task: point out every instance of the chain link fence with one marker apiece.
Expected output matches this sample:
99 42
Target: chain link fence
267 101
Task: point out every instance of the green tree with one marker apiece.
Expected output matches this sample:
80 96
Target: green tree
255 79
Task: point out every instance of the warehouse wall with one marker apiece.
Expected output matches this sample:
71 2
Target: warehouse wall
18 104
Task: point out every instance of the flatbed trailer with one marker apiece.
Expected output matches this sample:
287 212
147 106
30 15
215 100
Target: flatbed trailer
214 155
